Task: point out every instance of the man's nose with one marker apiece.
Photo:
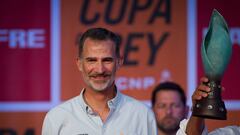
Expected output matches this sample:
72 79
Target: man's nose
100 68
169 110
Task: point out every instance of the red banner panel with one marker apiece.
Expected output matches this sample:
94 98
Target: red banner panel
24 50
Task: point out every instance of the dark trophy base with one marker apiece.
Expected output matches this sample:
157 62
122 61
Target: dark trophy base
211 107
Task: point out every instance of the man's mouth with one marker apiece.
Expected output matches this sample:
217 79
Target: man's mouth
100 77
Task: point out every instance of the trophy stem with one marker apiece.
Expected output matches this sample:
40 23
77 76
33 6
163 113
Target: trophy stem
212 106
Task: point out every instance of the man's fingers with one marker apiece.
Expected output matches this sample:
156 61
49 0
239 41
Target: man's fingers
203 88
198 94
202 93
204 79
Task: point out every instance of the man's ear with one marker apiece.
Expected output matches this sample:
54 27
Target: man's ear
120 59
119 62
79 63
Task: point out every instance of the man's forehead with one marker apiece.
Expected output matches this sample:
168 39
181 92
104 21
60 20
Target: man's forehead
167 94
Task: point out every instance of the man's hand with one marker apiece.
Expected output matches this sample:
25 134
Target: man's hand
201 91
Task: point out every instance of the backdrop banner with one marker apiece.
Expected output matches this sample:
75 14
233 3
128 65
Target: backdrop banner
38 50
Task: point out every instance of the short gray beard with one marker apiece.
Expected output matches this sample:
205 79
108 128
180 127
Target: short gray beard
107 85
102 89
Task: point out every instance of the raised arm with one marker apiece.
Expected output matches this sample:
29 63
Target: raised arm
196 125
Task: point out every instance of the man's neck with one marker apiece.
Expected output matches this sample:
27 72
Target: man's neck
97 100
160 132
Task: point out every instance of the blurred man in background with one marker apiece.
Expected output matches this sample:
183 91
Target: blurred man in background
169 107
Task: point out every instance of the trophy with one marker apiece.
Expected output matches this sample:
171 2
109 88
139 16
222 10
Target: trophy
216 52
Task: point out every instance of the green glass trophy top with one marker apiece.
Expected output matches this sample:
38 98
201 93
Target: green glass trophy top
216 47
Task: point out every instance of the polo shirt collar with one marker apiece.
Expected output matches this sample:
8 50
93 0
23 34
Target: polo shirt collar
112 103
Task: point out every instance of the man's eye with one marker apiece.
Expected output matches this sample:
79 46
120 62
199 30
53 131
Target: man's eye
108 60
90 60
161 106
176 105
